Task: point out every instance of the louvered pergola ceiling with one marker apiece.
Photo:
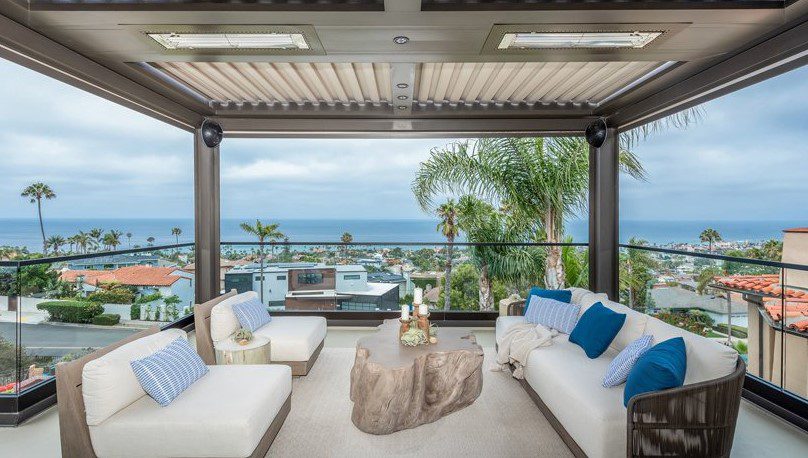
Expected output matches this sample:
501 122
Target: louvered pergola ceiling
440 84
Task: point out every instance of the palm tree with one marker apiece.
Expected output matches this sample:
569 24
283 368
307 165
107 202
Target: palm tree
129 239
710 236
176 232
36 192
263 232
112 239
71 241
150 240
97 234
541 181
55 242
346 238
83 240
447 212
636 267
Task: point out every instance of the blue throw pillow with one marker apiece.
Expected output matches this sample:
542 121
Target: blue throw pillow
554 314
169 371
596 329
660 368
251 314
621 365
561 295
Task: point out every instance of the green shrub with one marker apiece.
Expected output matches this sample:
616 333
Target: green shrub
737 331
112 296
134 311
107 319
71 311
149 298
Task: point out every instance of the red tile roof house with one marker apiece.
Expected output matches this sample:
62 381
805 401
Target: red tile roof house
167 281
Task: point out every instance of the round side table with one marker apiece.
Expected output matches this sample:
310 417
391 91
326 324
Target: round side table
257 351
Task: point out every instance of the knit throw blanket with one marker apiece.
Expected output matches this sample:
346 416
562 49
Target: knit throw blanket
517 344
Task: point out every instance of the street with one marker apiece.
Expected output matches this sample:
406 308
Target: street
56 340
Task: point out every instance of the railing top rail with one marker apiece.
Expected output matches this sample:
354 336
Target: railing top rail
720 257
460 244
95 254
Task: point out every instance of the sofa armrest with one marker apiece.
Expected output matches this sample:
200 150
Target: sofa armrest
516 308
692 420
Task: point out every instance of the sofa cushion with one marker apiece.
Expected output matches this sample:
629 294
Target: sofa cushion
621 365
589 299
596 329
706 359
561 295
632 329
504 323
569 384
223 322
108 383
660 368
224 414
251 314
294 338
553 314
577 294
169 371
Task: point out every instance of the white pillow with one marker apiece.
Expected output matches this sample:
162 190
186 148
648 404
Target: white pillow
109 384
223 322
633 327
589 299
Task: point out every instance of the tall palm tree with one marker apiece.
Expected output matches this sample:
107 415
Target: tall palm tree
710 236
346 238
150 240
129 239
83 240
176 232
112 239
55 242
35 193
263 232
97 235
541 181
447 212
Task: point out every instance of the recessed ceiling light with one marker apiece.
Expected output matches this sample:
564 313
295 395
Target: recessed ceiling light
402 107
402 85
402 97
231 40
401 39
548 40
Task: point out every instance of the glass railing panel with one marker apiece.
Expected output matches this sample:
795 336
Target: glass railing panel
382 276
9 322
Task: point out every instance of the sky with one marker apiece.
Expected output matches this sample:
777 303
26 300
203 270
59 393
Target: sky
745 160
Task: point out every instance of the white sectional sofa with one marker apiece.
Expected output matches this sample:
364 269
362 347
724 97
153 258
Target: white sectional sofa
566 385
232 411
294 340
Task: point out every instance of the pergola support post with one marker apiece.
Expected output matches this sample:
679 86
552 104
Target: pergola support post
604 247
206 219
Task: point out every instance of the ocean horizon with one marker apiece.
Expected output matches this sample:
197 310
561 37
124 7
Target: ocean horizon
25 231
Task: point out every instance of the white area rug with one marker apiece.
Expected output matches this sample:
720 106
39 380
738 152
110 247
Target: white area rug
503 421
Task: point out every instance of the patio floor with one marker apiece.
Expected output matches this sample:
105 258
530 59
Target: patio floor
495 425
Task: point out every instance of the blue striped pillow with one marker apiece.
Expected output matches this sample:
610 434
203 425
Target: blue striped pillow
621 365
251 314
554 314
169 371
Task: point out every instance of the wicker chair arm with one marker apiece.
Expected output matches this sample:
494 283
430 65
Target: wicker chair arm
692 420
516 308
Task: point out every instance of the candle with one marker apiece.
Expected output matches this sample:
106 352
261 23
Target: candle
405 312
418 296
423 309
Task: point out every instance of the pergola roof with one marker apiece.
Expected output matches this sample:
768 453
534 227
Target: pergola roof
450 77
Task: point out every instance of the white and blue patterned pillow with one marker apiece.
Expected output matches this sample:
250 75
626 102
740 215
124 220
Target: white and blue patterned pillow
169 371
251 314
621 365
554 314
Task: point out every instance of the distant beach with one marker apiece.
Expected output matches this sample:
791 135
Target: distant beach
25 232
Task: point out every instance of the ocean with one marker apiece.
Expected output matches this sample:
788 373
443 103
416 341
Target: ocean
25 232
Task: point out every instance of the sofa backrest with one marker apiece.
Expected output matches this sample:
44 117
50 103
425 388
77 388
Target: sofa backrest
108 382
223 322
706 359
633 328
73 430
204 343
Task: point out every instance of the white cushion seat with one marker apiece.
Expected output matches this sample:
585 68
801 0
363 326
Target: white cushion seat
223 414
294 338
569 383
504 323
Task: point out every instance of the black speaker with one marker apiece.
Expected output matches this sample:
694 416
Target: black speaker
211 133
596 133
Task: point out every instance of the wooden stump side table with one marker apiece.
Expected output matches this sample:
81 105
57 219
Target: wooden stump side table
395 387
257 351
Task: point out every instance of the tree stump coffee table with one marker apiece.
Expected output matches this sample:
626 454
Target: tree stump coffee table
395 387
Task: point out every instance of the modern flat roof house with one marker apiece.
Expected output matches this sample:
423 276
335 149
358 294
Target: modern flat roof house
575 372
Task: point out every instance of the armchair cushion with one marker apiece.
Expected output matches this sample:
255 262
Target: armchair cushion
661 367
170 371
251 314
223 321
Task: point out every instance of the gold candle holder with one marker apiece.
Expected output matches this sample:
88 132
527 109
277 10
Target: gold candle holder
405 326
423 324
